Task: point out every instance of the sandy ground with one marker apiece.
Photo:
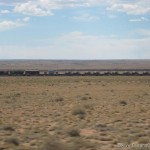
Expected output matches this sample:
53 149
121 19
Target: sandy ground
74 113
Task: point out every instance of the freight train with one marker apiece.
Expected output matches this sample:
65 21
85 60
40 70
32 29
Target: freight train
74 72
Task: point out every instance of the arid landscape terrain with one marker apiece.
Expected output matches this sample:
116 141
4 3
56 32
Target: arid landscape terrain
74 74
74 113
73 64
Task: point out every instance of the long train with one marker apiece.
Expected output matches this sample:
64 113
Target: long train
74 72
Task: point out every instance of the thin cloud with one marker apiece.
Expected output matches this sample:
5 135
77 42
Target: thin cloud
86 17
145 33
11 2
46 7
137 7
26 19
4 12
77 45
7 24
112 16
142 19
31 8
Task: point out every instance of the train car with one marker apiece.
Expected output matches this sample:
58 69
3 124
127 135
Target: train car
52 73
32 73
146 73
43 73
4 73
17 73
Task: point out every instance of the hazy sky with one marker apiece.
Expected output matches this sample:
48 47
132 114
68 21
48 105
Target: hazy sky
74 29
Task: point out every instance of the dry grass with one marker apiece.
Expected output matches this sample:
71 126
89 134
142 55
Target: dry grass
81 116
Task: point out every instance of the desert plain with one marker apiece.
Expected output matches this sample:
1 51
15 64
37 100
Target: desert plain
75 113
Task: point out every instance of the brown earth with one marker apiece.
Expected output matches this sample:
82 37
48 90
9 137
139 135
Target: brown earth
73 64
74 113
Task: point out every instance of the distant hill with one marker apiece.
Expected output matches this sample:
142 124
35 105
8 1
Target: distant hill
73 64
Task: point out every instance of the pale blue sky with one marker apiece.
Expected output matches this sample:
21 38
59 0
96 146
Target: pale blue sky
75 29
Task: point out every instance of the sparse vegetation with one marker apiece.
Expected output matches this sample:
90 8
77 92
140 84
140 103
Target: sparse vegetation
13 140
73 132
8 128
54 144
143 140
59 99
17 94
123 102
78 111
84 98
48 113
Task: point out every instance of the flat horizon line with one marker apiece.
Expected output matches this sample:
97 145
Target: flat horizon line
69 59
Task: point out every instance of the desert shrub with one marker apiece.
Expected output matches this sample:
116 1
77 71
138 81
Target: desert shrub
78 111
123 102
101 126
86 93
53 144
81 116
106 139
13 140
143 140
88 106
82 144
59 99
17 94
143 110
8 128
44 93
74 133
84 98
